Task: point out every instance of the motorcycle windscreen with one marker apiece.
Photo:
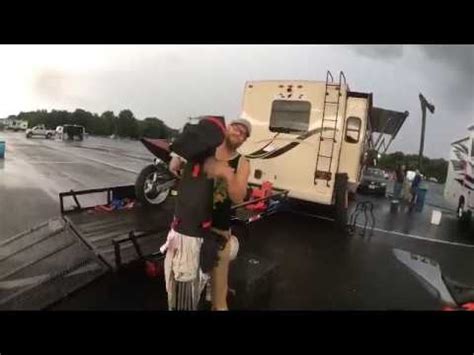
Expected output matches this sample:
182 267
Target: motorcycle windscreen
160 148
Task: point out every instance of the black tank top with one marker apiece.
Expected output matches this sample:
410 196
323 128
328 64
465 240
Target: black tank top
222 203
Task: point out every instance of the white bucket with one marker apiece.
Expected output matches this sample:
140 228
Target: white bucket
436 217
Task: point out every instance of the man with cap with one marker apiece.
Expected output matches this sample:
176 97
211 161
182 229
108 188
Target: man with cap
230 172
230 187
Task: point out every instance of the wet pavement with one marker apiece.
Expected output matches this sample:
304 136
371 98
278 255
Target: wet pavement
319 267
36 170
322 269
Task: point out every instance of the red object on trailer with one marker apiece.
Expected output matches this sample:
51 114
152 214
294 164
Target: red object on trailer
260 192
151 269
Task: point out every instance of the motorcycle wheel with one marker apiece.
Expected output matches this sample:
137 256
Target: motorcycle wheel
147 191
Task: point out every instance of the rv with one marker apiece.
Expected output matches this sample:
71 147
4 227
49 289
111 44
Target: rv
313 137
458 191
16 125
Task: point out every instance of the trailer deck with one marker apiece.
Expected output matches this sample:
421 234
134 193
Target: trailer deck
94 245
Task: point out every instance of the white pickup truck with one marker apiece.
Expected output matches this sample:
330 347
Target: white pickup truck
40 131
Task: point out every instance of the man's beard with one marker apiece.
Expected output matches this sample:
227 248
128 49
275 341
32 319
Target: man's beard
232 145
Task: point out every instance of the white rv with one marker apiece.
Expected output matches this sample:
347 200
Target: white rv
458 191
16 125
311 137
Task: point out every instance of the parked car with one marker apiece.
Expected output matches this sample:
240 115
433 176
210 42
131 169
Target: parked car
373 181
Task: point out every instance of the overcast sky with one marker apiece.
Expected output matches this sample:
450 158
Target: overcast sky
174 82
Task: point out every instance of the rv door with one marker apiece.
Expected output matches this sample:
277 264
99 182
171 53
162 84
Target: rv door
353 140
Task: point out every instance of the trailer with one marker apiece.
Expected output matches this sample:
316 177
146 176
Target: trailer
16 125
459 186
45 264
314 138
70 132
101 234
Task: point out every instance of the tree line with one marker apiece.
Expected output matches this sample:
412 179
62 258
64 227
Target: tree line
107 124
437 168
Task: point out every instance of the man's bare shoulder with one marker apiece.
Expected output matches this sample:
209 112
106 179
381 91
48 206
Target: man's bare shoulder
244 162
244 167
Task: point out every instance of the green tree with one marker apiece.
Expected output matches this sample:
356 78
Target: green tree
437 168
109 120
106 124
83 118
152 127
127 125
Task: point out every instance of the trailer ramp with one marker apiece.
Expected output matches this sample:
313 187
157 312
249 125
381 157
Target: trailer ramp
43 265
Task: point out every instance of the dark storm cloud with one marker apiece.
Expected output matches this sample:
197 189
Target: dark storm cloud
456 83
379 51
445 76
175 82
460 58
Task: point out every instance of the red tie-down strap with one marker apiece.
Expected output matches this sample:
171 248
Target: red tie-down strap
468 306
196 170
206 224
465 307
449 309
151 269
175 223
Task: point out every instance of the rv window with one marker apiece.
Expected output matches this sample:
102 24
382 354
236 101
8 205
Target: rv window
353 125
290 116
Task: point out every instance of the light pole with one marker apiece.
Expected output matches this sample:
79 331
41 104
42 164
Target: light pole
424 105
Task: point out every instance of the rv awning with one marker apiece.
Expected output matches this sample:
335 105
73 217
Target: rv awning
387 121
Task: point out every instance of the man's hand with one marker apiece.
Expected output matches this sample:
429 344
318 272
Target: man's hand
175 166
236 180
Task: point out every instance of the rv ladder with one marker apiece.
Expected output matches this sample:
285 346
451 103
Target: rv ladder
324 160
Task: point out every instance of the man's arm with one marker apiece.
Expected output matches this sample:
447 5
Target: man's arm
237 182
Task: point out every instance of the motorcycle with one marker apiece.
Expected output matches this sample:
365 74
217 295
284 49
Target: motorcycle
154 183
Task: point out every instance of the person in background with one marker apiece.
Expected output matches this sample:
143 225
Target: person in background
399 180
414 188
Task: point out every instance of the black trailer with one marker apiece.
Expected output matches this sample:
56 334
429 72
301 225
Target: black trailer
97 253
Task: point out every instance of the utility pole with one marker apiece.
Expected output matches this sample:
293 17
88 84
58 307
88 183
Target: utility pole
424 105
